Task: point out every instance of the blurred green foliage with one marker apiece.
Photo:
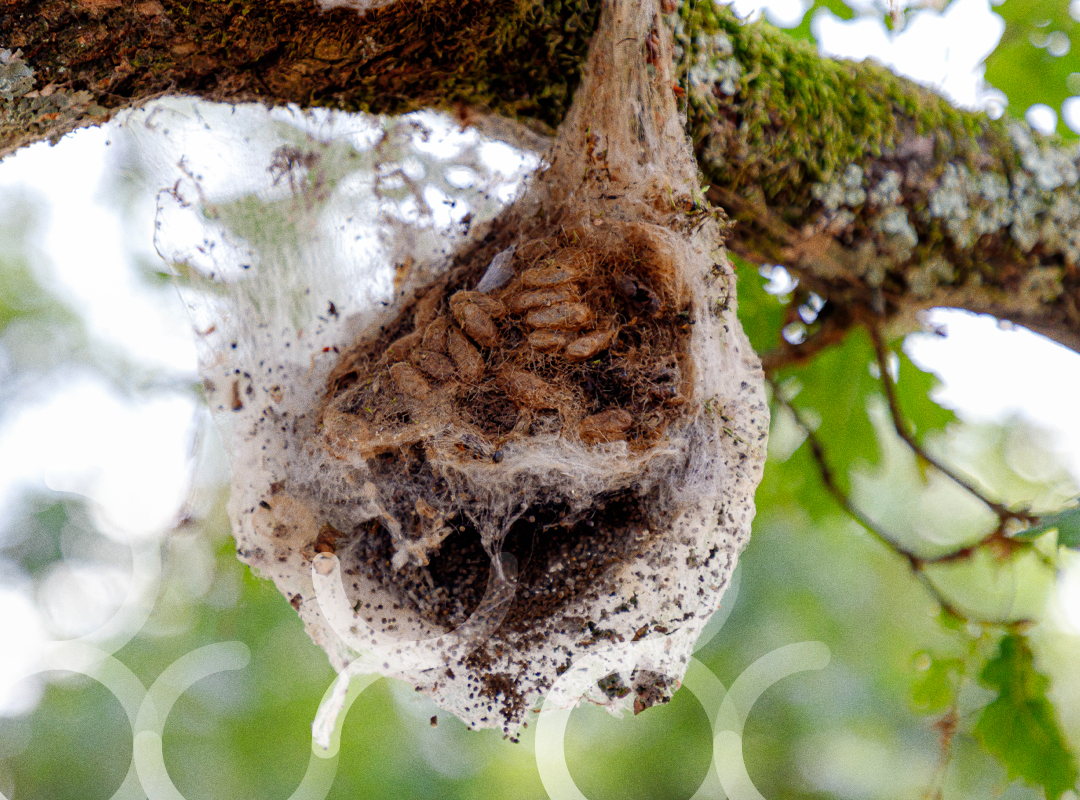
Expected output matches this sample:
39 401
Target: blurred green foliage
833 390
916 702
1038 53
1020 726
1066 523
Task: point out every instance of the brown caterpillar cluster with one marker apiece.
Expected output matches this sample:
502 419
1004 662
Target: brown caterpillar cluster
565 335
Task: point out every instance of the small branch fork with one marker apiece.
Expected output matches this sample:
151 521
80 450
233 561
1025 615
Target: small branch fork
997 539
916 563
900 424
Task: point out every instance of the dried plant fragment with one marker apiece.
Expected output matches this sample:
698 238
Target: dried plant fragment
529 391
409 381
548 341
477 323
542 298
466 357
607 426
435 365
545 278
435 335
590 344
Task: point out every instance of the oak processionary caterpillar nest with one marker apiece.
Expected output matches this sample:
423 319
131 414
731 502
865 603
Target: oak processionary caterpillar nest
554 445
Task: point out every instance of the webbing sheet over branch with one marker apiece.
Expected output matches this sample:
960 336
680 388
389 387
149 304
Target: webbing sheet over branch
566 412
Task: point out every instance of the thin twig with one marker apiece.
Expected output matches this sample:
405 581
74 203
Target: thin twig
916 562
946 727
904 433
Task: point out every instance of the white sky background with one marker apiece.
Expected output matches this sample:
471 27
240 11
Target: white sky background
75 432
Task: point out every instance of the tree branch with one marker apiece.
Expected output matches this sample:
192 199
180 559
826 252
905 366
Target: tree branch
817 451
917 563
91 58
900 426
877 193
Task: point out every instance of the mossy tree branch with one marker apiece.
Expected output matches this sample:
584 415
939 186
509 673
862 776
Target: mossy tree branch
878 194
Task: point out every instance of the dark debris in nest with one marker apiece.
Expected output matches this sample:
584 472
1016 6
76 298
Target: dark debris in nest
560 554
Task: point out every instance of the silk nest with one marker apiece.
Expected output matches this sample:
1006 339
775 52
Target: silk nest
472 452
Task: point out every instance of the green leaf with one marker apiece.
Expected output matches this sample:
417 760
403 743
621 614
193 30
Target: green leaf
1024 65
1019 727
935 688
838 7
761 313
1066 523
795 485
834 389
913 387
950 621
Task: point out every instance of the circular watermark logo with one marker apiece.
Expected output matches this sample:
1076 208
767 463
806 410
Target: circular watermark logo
727 710
376 650
148 709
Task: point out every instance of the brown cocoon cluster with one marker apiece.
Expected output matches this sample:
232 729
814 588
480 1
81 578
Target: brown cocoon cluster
587 339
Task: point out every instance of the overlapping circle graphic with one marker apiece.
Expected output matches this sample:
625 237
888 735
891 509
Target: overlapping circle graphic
375 647
148 709
727 709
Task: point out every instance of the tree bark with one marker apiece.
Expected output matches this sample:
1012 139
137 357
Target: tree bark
878 194
92 58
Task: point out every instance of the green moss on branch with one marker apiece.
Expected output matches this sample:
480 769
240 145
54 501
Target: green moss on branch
880 194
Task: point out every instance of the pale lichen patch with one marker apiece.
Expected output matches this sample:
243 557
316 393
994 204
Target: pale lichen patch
1051 166
925 278
16 78
887 191
712 63
951 203
847 191
900 236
